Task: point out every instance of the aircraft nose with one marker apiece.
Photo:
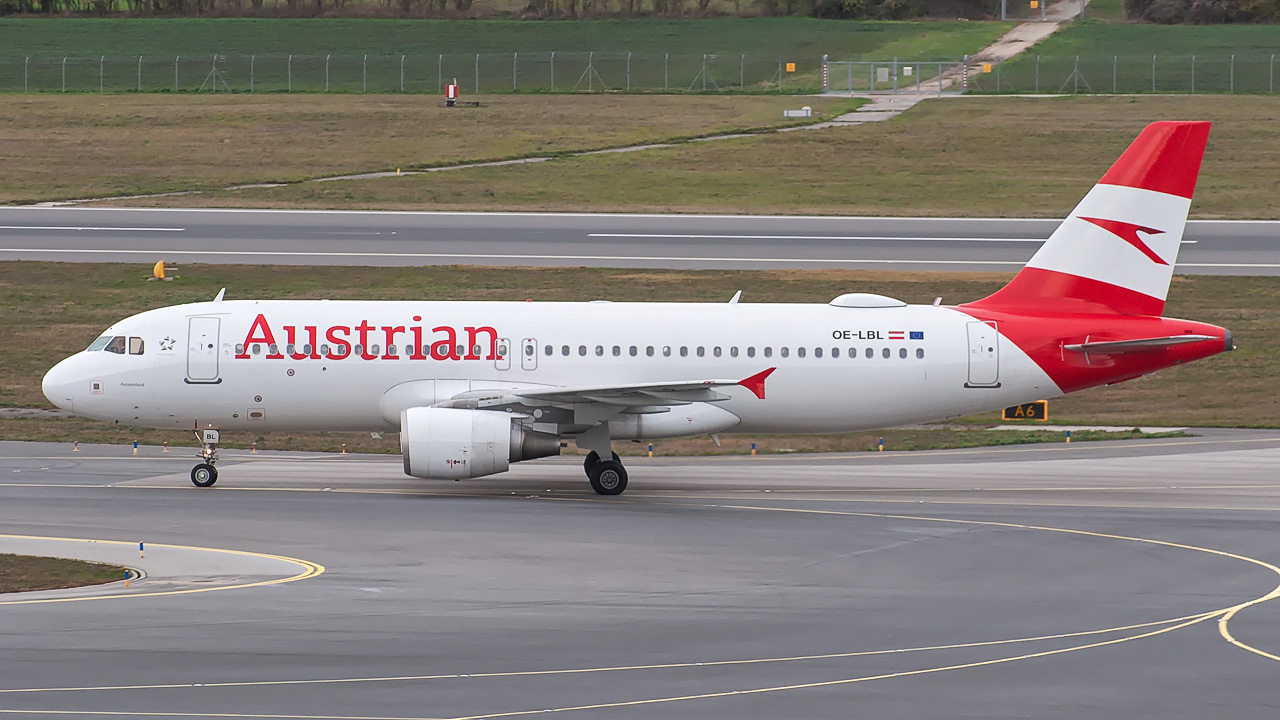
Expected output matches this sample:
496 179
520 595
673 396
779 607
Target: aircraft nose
58 384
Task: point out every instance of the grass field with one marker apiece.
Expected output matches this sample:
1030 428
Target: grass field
800 38
25 573
54 310
982 156
71 147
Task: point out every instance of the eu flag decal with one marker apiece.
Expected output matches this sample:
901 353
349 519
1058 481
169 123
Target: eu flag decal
917 334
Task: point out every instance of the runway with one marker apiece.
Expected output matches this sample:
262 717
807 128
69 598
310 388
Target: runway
1117 579
593 240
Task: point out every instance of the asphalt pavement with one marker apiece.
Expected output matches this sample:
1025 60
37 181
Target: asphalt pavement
594 240
1118 579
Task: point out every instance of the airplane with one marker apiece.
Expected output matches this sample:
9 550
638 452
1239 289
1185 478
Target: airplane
475 386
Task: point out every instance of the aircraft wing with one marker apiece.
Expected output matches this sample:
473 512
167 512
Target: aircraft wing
1129 346
660 393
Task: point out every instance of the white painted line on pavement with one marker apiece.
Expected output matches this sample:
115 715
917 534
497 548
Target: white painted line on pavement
91 229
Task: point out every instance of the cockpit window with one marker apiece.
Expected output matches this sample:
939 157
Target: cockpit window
99 343
135 346
116 345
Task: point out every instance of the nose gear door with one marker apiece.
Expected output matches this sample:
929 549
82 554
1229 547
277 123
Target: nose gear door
202 350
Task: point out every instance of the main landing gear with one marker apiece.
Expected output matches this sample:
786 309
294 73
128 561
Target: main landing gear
205 474
607 477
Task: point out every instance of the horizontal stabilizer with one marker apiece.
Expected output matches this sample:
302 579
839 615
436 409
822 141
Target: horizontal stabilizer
1119 347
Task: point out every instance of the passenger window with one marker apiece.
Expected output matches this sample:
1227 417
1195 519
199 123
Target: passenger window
853 353
373 350
870 353
617 351
116 345
885 352
289 348
239 348
257 348
358 350
666 351
800 351
272 349
784 352
391 350
684 351
715 351
99 343
835 352
306 349
733 351
324 350
474 351
701 351
768 351
902 353
634 351
135 346
528 351
920 353
751 351
548 351
817 352
564 350
582 350
462 350
599 351
648 351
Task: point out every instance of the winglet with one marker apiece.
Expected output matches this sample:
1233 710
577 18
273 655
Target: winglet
221 294
755 383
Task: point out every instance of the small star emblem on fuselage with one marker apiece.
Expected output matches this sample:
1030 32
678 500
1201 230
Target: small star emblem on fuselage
166 344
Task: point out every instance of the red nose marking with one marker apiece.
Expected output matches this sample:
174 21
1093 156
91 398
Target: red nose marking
1128 232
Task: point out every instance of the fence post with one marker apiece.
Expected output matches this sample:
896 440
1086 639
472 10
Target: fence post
628 72
704 73
477 73
1233 73
26 83
895 75
514 57
666 62
704 62
1271 81
1115 62
101 62
175 72
326 72
917 78
1153 73
591 71
440 72
401 73
1075 75
742 73
553 71
1193 74
364 75
939 79
139 73
1037 75
290 73
252 66
826 82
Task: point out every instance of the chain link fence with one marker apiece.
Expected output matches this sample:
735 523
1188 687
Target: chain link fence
476 73
1129 74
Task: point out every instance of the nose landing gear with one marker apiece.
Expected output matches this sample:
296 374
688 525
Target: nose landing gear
205 474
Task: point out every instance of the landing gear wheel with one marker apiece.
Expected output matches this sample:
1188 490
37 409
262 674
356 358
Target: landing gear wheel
593 457
608 477
204 475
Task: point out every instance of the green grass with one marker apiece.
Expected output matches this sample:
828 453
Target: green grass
982 156
417 56
799 38
25 573
1127 49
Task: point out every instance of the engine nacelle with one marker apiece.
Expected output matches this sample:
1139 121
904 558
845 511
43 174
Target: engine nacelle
452 444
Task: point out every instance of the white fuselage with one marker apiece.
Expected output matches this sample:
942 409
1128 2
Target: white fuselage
837 368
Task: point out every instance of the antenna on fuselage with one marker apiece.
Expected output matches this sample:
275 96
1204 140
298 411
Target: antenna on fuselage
221 294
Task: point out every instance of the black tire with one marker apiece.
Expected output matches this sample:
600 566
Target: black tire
593 457
608 477
204 475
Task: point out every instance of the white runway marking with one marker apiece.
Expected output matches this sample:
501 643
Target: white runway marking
674 236
91 229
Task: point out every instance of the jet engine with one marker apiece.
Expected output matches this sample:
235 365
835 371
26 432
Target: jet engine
452 444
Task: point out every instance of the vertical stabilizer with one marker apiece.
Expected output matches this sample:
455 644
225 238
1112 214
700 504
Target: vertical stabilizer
1116 251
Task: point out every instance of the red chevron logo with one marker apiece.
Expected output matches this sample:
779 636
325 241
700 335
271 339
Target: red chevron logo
1128 232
